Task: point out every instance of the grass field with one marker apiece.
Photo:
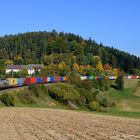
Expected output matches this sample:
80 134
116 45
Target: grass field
127 100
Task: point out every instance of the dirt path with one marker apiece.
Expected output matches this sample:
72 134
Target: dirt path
49 124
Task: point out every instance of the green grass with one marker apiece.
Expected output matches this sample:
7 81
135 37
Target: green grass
121 114
127 103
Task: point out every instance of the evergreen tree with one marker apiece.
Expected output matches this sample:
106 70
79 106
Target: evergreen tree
120 82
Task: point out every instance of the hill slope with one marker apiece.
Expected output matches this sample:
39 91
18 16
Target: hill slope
35 46
129 98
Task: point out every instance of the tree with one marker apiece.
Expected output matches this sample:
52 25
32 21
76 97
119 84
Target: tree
107 67
18 60
8 62
76 67
62 68
119 82
99 67
96 60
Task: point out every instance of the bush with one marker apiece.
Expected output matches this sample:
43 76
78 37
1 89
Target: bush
85 96
96 84
105 101
74 78
94 93
86 84
7 99
94 105
26 96
35 89
63 92
119 82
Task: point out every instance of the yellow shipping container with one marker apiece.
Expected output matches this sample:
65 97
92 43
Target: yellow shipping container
12 81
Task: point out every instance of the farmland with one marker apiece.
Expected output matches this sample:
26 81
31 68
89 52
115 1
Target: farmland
44 124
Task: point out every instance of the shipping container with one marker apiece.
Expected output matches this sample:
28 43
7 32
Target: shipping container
133 77
56 79
48 80
38 80
91 77
4 83
100 77
52 80
88 77
61 78
44 79
64 78
97 77
12 81
20 81
27 81
33 80
83 77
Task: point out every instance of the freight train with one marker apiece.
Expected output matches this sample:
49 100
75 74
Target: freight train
15 82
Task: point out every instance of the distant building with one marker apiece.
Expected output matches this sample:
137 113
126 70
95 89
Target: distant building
14 68
31 68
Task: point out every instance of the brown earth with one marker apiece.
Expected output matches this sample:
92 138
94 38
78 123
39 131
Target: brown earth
51 124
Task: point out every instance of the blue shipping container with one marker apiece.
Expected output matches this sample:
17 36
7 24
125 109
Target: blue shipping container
52 79
20 81
100 77
88 77
61 79
38 80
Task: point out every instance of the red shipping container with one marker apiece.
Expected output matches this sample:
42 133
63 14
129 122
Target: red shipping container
33 80
134 77
56 79
27 81
44 79
97 77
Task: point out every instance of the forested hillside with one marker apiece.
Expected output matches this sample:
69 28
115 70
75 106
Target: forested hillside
48 47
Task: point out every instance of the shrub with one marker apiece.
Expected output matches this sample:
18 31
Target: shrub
85 96
96 84
26 96
86 84
74 78
104 101
94 105
119 82
63 92
7 99
94 92
35 89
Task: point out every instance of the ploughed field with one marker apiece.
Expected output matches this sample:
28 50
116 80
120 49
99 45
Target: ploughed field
51 124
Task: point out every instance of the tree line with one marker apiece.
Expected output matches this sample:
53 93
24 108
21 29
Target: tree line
64 50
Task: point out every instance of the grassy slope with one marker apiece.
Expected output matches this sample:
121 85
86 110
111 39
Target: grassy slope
127 103
127 100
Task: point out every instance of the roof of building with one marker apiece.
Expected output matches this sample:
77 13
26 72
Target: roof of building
14 67
29 66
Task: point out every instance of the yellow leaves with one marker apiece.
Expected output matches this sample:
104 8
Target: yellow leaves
76 67
8 62
62 65
96 60
107 67
73 59
81 68
99 67
115 71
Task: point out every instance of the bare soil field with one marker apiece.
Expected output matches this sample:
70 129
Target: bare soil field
51 124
